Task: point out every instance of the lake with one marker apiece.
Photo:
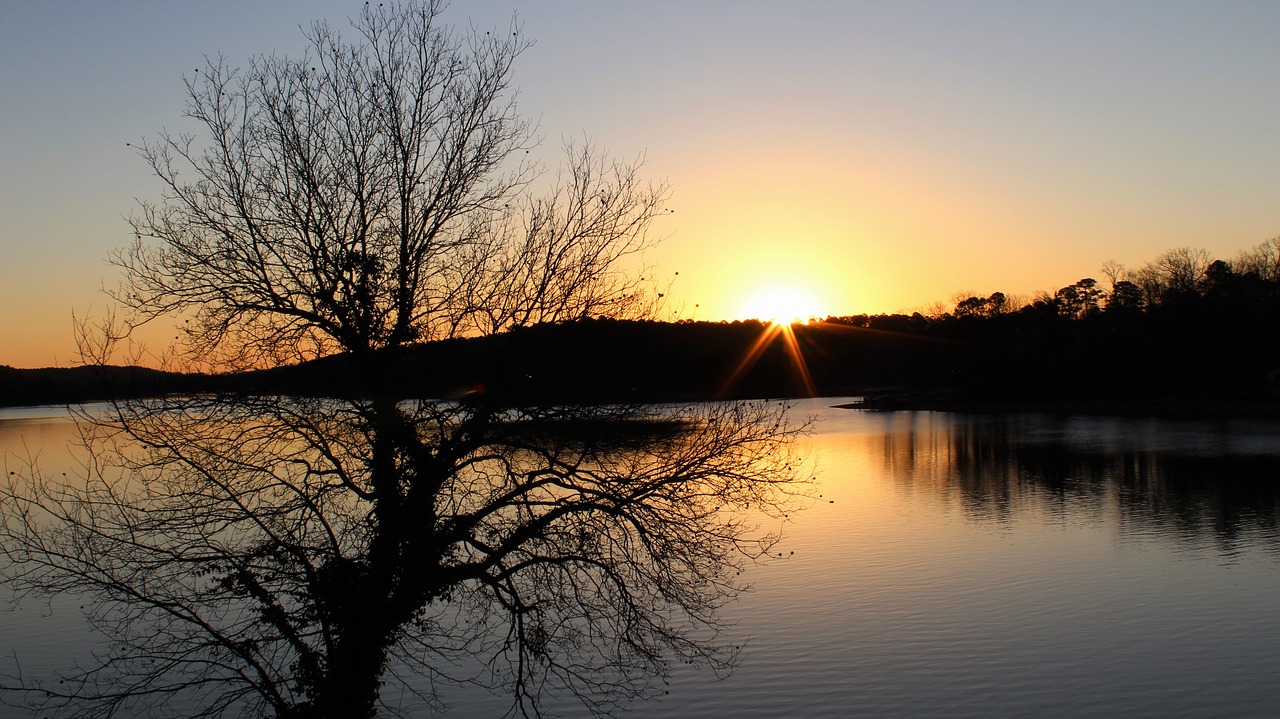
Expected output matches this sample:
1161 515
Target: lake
960 565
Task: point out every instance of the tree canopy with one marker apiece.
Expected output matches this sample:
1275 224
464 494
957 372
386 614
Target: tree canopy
292 557
375 191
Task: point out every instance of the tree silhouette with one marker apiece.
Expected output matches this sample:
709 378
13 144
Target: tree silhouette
1125 296
373 193
289 557
1079 300
1262 260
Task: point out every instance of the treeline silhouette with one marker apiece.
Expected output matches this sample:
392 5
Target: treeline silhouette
72 385
1184 328
593 360
995 468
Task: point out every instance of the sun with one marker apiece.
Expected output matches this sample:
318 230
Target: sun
781 304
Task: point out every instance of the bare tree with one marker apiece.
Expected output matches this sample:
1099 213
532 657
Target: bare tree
1150 284
288 557
1114 272
1181 269
1262 259
373 193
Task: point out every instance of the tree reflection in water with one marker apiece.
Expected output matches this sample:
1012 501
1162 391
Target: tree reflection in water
1194 480
296 558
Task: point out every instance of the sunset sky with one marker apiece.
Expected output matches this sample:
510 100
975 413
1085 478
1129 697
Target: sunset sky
880 156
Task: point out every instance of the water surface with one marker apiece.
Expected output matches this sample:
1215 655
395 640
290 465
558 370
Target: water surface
955 565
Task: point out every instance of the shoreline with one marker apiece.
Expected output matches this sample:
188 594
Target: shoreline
1183 408
1187 408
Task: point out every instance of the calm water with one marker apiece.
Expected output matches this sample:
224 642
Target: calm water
958 566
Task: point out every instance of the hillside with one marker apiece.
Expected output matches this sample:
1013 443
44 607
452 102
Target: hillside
898 358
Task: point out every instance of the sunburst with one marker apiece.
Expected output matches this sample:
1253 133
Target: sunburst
781 304
772 332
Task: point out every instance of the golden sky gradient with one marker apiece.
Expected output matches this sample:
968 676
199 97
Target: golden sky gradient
877 156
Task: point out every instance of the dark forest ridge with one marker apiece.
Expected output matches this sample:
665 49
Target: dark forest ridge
1182 328
1109 361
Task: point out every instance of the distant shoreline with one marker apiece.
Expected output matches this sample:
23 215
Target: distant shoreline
1155 408
1173 408
938 365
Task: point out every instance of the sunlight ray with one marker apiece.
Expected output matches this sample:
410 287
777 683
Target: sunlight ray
772 331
